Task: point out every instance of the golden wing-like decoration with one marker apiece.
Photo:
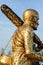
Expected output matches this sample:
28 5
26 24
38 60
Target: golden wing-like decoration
15 19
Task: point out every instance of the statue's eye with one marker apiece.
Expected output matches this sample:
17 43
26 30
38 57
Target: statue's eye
36 19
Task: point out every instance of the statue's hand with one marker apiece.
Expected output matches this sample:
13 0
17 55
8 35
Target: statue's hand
39 48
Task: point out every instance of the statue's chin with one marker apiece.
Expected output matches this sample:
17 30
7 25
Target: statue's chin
35 28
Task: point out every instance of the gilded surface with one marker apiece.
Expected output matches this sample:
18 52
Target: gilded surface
11 15
22 45
23 41
24 38
5 60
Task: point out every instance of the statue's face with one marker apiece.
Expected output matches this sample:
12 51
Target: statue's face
34 22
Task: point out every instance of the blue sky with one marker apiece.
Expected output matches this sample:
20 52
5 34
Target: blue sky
18 6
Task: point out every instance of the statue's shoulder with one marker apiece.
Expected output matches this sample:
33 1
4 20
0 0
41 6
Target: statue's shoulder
24 28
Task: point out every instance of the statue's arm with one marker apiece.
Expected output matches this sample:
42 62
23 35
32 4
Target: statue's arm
36 39
29 49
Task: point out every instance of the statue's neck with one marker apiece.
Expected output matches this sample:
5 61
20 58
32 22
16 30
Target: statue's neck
28 25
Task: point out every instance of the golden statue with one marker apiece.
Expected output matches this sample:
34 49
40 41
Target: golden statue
24 38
